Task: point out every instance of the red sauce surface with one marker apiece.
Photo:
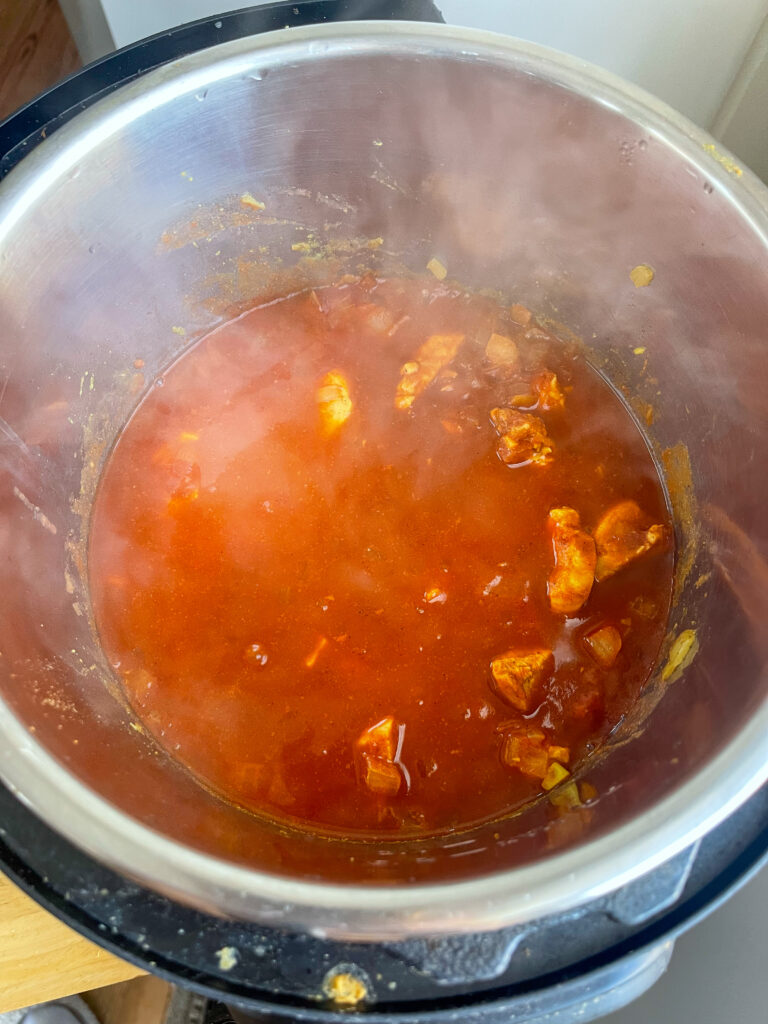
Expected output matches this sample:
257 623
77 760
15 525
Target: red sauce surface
269 588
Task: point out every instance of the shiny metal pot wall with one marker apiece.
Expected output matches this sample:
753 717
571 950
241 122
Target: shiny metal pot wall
521 170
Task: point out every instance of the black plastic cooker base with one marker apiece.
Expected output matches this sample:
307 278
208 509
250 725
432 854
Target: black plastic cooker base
579 964
574 966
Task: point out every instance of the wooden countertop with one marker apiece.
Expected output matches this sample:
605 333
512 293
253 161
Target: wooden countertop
41 958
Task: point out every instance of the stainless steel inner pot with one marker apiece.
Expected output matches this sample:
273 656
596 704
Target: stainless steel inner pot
381 145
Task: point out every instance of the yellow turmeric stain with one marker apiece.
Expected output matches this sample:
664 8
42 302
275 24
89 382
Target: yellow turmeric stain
725 161
681 654
345 989
254 204
437 269
641 275
227 957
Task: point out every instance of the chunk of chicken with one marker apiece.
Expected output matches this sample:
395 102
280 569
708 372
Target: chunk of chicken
333 401
570 582
547 388
382 776
517 674
436 352
621 537
523 438
604 645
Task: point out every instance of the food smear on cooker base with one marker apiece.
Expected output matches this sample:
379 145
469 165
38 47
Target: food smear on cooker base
381 558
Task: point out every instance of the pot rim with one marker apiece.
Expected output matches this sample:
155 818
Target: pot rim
368 913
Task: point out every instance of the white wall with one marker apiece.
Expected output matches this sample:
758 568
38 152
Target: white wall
685 51
742 123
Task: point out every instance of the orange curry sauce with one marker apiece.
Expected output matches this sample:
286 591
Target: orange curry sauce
383 558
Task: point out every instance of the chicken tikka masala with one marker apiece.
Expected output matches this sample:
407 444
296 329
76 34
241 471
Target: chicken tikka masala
381 558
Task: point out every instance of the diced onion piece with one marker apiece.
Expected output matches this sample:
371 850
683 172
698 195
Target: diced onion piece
587 791
559 753
555 775
520 314
382 776
604 645
381 739
525 753
523 401
566 798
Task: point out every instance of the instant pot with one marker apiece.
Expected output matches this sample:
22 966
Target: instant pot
122 236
